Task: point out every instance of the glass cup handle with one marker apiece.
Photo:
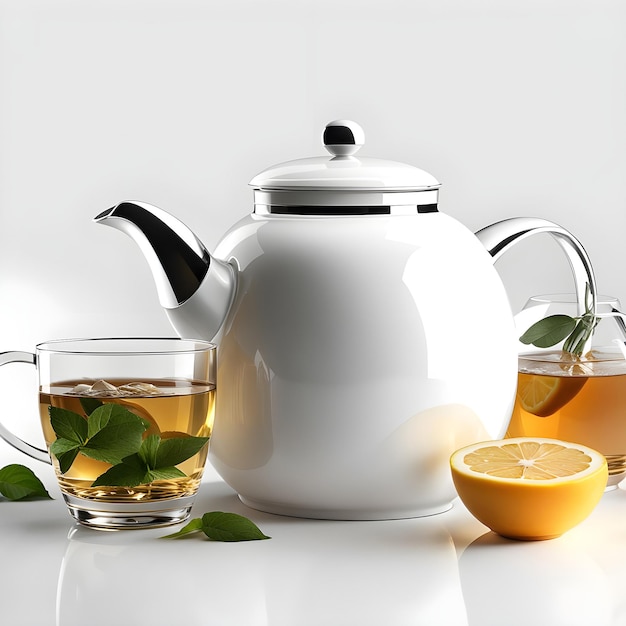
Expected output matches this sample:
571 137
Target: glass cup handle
7 435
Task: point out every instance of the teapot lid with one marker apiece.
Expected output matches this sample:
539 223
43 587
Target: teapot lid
343 178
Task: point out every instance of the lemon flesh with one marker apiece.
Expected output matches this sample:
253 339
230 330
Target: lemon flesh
528 459
545 395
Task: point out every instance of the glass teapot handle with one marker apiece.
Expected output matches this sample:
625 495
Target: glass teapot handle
499 237
5 433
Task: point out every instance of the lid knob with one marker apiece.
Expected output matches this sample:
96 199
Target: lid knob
343 137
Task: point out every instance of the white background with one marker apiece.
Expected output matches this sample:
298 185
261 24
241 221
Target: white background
516 107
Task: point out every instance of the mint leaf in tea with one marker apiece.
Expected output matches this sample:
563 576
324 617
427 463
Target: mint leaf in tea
121 439
109 434
155 460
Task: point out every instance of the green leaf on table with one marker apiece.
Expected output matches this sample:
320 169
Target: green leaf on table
549 331
220 526
194 526
18 482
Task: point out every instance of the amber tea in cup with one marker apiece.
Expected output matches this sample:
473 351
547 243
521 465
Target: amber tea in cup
582 401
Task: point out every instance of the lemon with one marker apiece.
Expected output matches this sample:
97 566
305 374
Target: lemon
529 488
545 395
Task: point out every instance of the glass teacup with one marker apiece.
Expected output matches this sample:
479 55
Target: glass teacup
126 423
582 400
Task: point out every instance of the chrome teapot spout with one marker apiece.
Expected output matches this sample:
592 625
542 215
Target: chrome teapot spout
499 237
188 279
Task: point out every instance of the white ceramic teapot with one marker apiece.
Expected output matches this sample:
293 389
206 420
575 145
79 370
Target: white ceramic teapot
363 335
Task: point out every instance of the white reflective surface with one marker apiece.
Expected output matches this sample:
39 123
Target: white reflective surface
447 569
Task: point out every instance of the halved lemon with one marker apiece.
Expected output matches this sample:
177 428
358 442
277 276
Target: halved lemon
529 488
545 395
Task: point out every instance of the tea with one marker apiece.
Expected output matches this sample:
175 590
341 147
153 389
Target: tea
169 408
577 401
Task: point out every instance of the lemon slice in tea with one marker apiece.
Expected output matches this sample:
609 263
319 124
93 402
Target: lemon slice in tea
529 488
544 395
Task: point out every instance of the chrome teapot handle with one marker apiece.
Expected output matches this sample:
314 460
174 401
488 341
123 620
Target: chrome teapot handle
499 237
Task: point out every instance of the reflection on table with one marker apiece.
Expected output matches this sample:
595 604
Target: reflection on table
446 569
